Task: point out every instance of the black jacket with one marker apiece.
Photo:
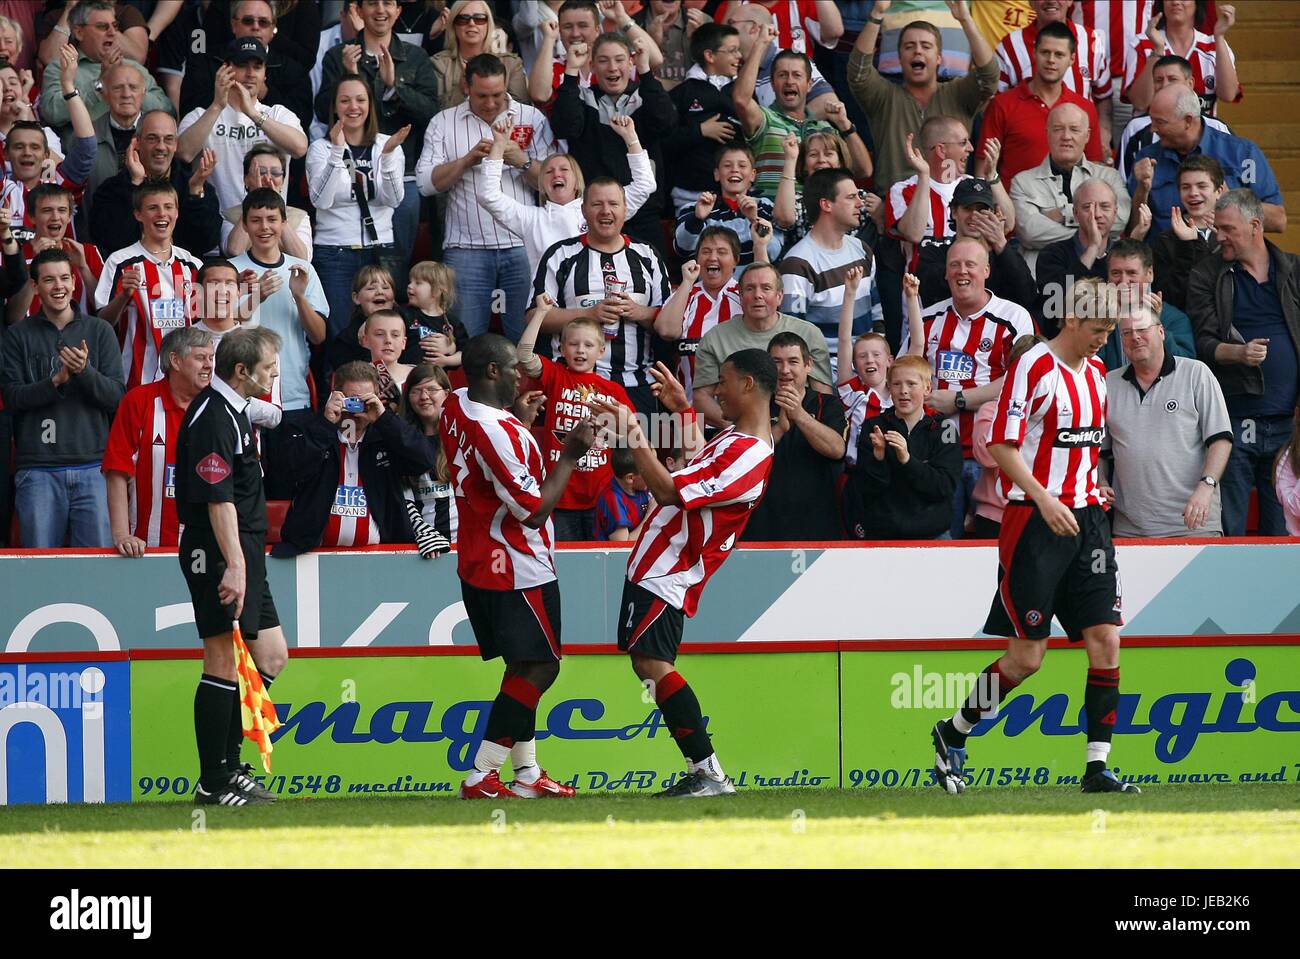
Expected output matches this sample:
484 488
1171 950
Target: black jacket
390 449
1057 263
1174 259
113 224
692 152
912 501
601 152
1209 304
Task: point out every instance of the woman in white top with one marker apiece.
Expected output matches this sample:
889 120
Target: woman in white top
354 178
560 216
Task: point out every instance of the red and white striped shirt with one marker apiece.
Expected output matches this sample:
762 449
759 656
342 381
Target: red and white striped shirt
703 312
142 444
970 351
350 522
1203 58
1089 75
164 302
1056 416
80 292
937 226
15 197
861 402
496 475
680 547
1121 22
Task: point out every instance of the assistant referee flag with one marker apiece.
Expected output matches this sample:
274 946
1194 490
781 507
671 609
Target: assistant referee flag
256 711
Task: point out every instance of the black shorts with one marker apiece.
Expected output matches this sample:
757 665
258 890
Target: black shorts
647 625
519 625
203 565
1041 575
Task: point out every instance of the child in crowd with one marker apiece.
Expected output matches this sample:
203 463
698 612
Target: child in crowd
625 502
372 290
431 327
988 499
907 466
384 335
568 386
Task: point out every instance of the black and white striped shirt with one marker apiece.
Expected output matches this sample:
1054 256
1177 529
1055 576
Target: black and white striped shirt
575 277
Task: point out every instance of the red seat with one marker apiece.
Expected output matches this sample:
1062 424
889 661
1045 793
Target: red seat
275 513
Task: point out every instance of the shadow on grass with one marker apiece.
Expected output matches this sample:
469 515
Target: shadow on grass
765 804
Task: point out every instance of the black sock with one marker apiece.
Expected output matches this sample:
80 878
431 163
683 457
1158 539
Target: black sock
235 738
212 712
266 680
1100 701
991 684
682 715
514 713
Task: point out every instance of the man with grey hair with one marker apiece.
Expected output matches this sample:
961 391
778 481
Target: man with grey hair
1043 196
1244 302
140 458
122 86
222 553
1083 253
94 32
1168 437
1176 120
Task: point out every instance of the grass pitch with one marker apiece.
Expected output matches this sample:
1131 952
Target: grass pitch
1254 825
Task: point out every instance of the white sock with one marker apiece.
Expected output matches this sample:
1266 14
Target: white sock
711 767
489 758
960 724
691 766
523 757
1098 752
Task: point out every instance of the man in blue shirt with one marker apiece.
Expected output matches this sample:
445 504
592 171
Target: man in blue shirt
1245 304
1176 119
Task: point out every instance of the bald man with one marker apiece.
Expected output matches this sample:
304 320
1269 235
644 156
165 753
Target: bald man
1082 254
1176 120
1044 195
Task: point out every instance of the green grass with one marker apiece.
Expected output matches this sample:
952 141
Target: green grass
1239 825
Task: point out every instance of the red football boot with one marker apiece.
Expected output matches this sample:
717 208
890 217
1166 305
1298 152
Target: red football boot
544 788
489 787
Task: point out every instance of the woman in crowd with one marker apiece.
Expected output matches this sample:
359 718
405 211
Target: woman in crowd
427 388
824 150
470 31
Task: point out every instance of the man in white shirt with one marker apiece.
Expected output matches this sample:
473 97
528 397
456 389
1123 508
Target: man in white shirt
486 256
236 121
287 295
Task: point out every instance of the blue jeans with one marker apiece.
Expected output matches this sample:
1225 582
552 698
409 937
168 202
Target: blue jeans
1251 467
406 224
336 266
963 496
479 275
69 505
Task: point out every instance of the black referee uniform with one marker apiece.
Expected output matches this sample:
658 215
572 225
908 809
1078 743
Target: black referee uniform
217 462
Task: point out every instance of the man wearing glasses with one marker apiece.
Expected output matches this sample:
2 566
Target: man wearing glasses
265 166
287 83
94 28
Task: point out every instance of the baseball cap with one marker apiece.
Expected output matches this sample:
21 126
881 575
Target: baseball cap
245 49
972 191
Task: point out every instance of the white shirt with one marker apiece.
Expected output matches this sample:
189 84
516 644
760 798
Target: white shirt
233 135
542 226
451 134
338 218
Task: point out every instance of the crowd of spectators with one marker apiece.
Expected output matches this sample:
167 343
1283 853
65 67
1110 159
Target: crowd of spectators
894 198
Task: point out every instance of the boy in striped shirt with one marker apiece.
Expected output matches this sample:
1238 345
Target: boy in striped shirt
1055 555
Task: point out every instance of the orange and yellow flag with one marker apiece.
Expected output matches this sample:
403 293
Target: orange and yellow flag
256 710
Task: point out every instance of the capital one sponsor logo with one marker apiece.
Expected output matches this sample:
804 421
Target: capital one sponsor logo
1080 436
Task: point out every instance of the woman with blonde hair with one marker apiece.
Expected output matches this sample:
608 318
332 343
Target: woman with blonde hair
471 29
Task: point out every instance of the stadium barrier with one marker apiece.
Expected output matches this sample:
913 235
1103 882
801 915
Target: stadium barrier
387 695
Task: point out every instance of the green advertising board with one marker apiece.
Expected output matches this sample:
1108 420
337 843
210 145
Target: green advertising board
1188 714
407 725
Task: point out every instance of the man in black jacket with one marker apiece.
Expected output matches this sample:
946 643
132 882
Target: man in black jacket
351 463
152 156
581 115
1244 302
1066 262
908 463
61 377
704 109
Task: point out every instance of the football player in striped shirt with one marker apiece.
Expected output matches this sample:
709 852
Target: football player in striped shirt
1055 556
699 515
142 445
505 557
